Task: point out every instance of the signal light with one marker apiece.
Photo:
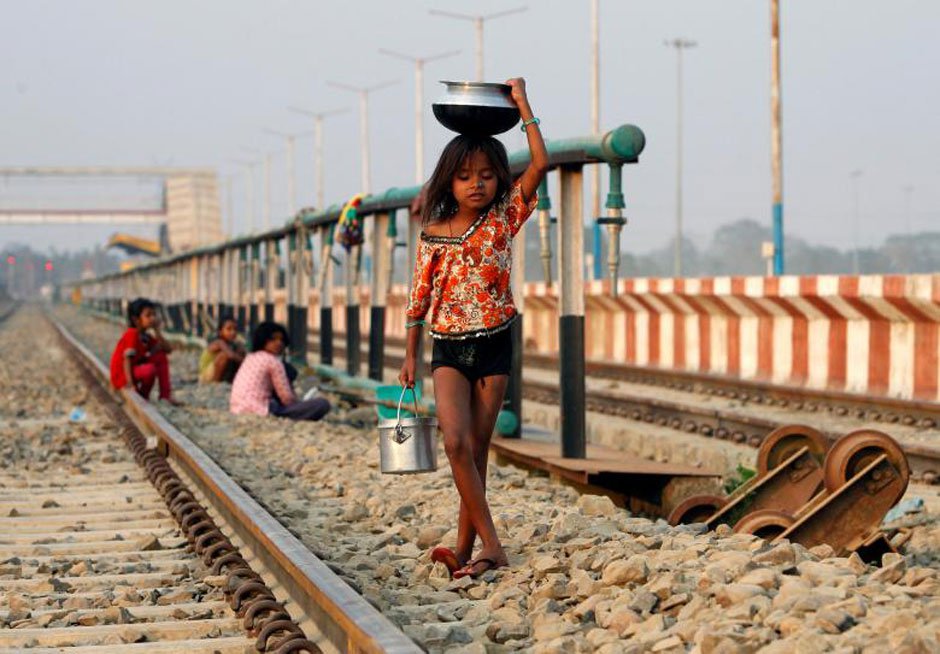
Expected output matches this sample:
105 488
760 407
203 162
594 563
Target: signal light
49 265
11 260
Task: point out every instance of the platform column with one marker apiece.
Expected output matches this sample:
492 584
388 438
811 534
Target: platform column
241 271
325 284
254 270
290 274
513 399
301 297
353 334
381 266
271 274
571 313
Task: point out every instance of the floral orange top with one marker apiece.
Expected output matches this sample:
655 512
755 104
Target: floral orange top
464 280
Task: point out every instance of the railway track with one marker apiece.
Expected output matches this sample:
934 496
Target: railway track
110 545
724 424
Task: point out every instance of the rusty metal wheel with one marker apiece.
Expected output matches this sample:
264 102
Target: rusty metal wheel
764 523
784 441
697 508
856 450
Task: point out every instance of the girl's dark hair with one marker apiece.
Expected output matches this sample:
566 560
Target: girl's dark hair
224 318
439 201
265 332
136 307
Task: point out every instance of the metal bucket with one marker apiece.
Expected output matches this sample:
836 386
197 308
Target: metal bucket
477 108
408 445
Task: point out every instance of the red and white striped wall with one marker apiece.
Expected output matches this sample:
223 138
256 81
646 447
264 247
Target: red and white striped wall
876 334
873 334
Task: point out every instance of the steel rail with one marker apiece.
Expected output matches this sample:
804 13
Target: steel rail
722 424
346 620
891 410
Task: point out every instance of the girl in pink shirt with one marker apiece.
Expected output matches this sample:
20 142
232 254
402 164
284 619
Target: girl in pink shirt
261 385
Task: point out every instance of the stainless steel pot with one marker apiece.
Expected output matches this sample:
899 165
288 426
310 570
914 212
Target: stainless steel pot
408 445
476 108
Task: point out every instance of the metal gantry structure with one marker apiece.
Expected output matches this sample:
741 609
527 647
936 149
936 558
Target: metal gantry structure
248 276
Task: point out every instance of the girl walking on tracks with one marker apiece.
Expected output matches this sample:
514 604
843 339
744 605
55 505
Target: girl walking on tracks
472 210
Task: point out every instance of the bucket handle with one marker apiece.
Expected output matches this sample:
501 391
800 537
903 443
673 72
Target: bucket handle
401 435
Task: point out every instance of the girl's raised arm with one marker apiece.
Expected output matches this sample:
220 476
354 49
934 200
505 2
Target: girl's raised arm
538 165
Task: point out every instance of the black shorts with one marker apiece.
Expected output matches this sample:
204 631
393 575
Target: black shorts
475 358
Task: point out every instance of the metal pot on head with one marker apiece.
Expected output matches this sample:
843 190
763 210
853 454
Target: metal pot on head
476 108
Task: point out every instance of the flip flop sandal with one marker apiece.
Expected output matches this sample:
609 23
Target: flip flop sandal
469 569
446 556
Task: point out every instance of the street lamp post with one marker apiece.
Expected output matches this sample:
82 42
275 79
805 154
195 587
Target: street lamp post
419 103
363 92
248 167
477 21
679 44
855 175
595 129
265 185
776 139
291 139
318 117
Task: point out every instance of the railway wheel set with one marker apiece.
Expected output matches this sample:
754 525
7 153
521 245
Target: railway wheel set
813 492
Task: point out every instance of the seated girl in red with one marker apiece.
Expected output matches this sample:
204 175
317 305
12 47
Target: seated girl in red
139 359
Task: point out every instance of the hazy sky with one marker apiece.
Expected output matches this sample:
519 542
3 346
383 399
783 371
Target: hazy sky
106 82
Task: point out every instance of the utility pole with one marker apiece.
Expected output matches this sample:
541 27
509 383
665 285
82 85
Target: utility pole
776 138
229 206
854 175
908 195
596 129
477 21
419 103
249 167
363 92
318 117
679 44
265 185
290 138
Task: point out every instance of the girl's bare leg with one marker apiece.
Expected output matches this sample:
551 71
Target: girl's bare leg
486 401
457 422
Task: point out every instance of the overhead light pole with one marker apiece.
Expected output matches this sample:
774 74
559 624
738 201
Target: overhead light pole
248 171
419 102
596 129
290 138
318 117
265 185
477 21
776 139
679 44
854 176
363 92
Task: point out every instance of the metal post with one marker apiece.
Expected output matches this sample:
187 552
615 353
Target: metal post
545 231
326 294
254 268
615 222
241 255
318 159
595 129
571 314
513 398
856 237
776 139
200 274
290 284
301 299
271 274
353 334
680 45
478 29
379 293
290 175
266 185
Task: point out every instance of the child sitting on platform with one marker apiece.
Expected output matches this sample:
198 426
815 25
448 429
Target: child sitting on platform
220 360
139 359
262 386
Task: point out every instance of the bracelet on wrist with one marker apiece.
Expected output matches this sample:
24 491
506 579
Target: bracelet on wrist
531 121
414 323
